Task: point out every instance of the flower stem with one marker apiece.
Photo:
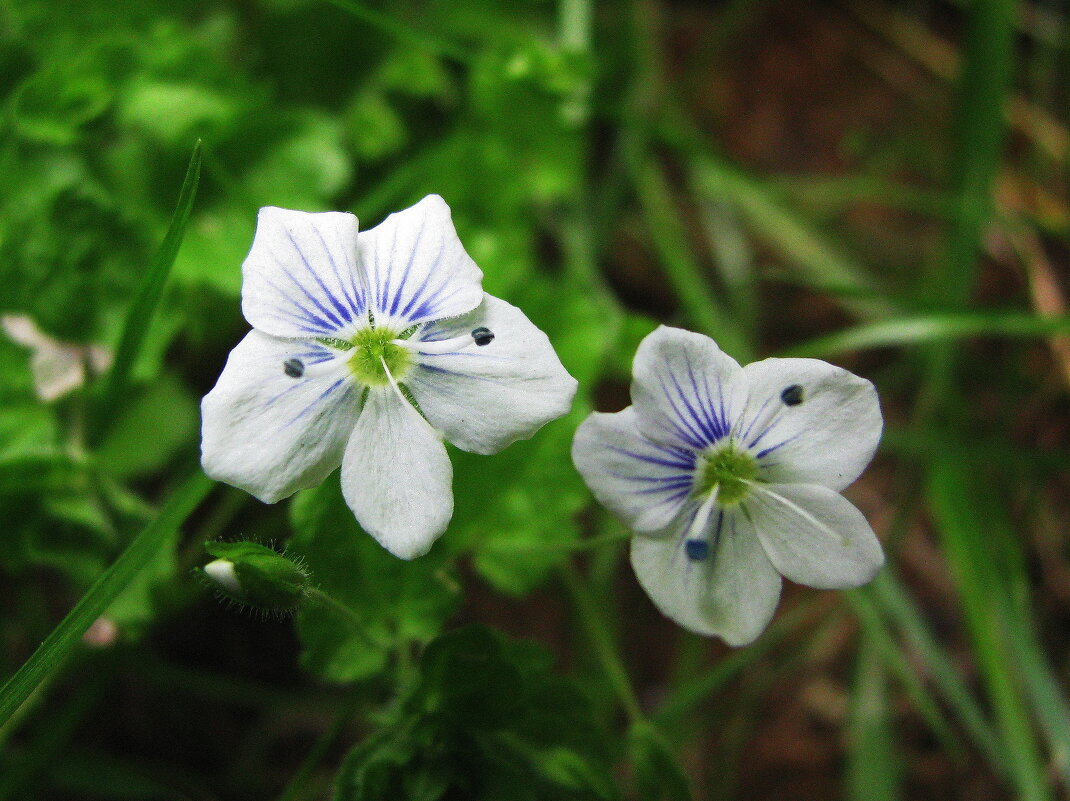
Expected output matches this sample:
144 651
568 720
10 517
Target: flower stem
605 650
343 610
295 789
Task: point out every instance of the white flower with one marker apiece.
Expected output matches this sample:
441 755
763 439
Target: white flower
731 478
57 367
363 349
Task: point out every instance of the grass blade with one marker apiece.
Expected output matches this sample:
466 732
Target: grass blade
872 770
896 603
818 260
50 656
139 316
978 141
884 652
683 271
933 328
955 503
698 689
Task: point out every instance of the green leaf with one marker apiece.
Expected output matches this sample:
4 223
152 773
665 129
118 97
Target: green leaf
394 600
150 430
485 719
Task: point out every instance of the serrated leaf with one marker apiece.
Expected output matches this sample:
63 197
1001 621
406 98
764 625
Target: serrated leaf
486 719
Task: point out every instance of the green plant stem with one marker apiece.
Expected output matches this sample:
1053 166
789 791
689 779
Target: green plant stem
294 789
337 606
690 694
51 654
598 633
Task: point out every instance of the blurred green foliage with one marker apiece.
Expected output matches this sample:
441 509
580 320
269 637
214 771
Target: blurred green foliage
572 142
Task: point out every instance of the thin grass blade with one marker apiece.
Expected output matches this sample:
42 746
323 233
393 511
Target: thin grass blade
50 655
139 316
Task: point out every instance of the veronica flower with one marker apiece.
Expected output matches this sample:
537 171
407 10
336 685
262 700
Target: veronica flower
730 476
366 350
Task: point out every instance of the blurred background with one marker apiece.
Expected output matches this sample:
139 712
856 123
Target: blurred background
880 185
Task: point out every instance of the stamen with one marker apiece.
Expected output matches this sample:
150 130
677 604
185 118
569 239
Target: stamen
695 546
762 489
393 382
295 368
479 336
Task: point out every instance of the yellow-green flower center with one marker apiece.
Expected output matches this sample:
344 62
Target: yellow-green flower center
375 347
729 469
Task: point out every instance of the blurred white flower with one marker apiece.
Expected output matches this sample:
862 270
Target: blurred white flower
57 367
365 351
731 478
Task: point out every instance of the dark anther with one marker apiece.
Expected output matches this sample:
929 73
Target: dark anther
482 336
294 368
697 550
792 396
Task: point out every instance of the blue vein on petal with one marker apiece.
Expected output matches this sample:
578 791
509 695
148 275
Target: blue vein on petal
772 424
417 296
344 313
705 421
683 427
356 301
432 369
754 419
642 457
666 483
395 300
307 315
717 426
323 395
334 323
763 453
327 313
382 290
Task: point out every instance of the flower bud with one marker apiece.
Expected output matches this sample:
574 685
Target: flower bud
255 575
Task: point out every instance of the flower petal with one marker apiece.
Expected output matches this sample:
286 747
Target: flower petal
396 476
645 483
271 434
298 279
685 389
813 535
417 268
732 593
826 437
486 397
